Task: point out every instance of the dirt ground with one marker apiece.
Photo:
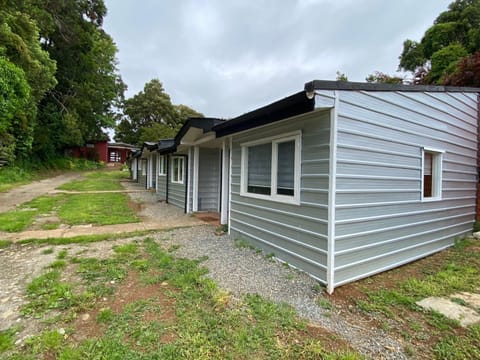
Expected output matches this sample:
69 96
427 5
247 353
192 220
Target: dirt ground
9 200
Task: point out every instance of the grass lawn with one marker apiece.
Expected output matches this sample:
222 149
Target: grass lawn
97 181
143 303
388 300
98 209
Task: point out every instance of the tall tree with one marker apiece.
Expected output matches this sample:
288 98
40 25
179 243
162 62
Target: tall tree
20 46
150 115
15 104
89 87
454 35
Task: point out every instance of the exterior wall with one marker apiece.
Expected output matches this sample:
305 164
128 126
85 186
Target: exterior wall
162 182
101 149
142 172
296 234
381 220
176 192
209 180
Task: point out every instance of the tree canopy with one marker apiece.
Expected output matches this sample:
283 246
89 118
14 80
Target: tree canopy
68 63
454 36
150 116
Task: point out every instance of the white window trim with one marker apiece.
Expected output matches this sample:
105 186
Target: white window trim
180 181
274 140
437 174
162 166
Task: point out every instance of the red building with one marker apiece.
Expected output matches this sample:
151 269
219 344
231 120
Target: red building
103 151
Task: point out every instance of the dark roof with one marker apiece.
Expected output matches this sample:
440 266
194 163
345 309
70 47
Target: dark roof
150 145
166 146
290 106
136 154
347 85
206 124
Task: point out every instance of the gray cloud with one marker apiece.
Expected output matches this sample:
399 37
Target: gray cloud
224 58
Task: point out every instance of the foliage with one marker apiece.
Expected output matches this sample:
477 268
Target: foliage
467 72
379 77
454 35
14 106
69 64
341 76
150 116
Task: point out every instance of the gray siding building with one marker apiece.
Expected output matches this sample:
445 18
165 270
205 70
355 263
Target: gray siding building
342 180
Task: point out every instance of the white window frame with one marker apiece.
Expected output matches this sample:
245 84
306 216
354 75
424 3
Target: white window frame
274 140
181 179
437 174
162 165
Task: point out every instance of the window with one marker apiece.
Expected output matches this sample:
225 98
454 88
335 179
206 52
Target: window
162 165
177 169
432 174
143 167
271 169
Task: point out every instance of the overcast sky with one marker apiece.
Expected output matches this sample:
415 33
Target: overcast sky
224 58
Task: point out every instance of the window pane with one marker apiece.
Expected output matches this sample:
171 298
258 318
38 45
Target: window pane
180 169
259 169
428 179
286 168
175 169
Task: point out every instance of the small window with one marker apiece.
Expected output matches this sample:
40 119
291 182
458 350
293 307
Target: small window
162 165
432 174
178 169
271 169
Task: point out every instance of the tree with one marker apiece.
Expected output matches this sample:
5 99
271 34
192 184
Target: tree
150 115
15 100
454 35
21 49
82 104
467 72
341 76
380 77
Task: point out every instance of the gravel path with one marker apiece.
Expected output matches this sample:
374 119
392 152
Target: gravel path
243 271
9 200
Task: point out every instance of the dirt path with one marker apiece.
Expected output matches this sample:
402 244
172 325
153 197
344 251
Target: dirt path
17 196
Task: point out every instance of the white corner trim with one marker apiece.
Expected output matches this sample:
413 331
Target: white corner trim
189 179
196 158
332 189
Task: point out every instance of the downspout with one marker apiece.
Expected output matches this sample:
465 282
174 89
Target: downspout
189 185
478 159
332 190
167 180
186 183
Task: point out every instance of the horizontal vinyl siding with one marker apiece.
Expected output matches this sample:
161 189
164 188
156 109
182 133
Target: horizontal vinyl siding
296 234
176 192
381 220
162 187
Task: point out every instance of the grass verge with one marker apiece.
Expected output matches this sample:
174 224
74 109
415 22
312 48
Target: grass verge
143 303
97 181
390 299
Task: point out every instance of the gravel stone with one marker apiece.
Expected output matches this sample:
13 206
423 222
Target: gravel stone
242 271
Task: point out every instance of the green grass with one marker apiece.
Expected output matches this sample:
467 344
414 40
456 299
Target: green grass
5 244
459 273
7 339
98 181
15 175
101 209
22 217
202 323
